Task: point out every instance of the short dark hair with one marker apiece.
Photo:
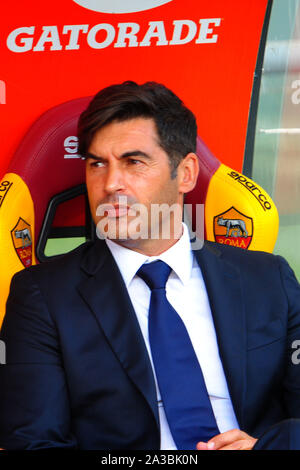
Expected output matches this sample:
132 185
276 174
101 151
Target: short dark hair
175 123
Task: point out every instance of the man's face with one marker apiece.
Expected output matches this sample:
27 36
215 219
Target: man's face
126 166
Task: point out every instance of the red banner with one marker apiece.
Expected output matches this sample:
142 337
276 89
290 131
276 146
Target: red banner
52 52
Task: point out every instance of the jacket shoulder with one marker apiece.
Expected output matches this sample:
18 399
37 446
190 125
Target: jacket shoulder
63 265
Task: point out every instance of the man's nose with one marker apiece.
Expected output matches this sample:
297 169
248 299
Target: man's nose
115 179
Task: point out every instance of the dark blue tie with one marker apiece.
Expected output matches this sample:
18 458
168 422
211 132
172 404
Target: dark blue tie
180 380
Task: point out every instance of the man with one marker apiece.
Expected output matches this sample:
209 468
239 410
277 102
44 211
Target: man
137 341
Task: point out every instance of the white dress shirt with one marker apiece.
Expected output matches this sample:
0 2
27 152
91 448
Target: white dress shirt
186 292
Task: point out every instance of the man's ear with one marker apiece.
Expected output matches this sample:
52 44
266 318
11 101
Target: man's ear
187 173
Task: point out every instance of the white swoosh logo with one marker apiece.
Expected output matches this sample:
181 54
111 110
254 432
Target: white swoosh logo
120 6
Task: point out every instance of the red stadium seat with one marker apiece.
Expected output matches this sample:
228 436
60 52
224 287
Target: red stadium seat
43 195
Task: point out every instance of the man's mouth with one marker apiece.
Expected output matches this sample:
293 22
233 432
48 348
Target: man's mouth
114 210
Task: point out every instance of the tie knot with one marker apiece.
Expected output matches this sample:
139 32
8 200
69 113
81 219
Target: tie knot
155 274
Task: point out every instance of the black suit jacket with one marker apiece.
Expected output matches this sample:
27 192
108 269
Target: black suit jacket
78 374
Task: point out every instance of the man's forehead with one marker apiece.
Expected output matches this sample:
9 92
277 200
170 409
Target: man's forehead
140 129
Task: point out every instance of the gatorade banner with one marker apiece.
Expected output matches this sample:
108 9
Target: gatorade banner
59 50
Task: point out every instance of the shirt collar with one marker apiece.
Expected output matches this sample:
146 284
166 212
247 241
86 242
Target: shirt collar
179 257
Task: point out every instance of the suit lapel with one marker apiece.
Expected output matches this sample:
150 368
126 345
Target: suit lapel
105 293
224 290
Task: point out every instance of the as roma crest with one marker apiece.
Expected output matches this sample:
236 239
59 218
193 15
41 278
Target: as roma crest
22 240
233 228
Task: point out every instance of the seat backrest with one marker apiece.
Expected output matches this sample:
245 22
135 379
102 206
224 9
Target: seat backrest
45 165
46 174
237 211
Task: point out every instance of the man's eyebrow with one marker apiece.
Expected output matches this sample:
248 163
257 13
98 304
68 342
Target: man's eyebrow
130 153
134 153
91 155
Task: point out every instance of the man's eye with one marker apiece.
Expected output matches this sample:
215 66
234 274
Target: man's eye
133 161
96 164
